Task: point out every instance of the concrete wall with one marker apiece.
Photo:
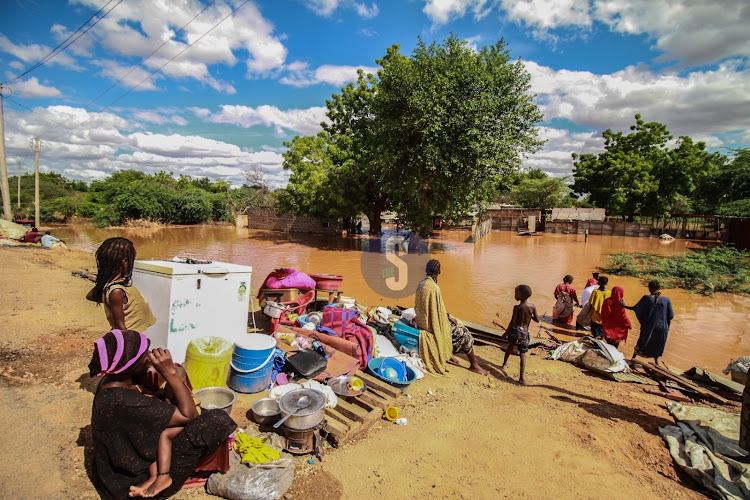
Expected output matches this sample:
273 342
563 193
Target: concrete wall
266 218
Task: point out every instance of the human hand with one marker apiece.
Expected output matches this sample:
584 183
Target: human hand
161 359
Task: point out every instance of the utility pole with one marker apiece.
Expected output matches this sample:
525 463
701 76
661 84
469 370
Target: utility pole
19 184
36 183
4 187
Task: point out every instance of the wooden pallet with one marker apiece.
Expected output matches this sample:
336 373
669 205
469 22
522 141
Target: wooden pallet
353 415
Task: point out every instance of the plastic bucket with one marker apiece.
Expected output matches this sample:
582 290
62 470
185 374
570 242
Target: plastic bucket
207 361
252 363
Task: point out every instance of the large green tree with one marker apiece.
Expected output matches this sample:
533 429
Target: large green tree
434 133
542 191
639 172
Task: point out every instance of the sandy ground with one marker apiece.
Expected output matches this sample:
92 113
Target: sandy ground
570 435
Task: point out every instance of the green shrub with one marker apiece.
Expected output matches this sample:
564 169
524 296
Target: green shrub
192 206
718 269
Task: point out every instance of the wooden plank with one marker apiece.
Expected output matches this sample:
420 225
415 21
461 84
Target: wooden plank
683 382
340 419
669 395
337 431
351 411
379 385
374 400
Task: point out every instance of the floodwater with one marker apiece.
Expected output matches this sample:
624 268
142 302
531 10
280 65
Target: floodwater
477 280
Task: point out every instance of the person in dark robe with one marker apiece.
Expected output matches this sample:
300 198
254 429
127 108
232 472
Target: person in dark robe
126 424
655 314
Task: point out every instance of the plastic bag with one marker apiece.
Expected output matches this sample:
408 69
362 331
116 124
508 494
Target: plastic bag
262 482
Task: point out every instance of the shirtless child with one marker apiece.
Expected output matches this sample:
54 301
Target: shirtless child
517 332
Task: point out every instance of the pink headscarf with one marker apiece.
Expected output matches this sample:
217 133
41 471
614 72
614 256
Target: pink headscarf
117 351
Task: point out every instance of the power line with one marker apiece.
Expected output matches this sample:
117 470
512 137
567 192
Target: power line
140 63
159 68
64 45
53 121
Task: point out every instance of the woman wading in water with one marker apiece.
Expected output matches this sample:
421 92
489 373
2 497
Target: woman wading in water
655 314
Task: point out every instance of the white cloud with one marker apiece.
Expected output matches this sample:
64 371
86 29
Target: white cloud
545 14
199 112
691 32
699 104
178 120
322 7
443 11
694 32
367 12
301 76
97 148
135 78
138 27
85 174
32 88
302 121
33 53
555 159
325 8
472 42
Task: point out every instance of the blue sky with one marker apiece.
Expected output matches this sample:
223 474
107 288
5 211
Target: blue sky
227 103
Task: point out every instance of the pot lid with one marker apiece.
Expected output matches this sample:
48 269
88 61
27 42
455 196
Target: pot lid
288 402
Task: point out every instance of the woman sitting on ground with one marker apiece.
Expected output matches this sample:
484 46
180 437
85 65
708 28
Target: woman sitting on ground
126 424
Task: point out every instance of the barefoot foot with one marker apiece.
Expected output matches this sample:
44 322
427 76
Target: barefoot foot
138 491
162 482
479 370
523 382
454 361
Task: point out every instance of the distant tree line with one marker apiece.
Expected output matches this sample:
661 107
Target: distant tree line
133 195
644 172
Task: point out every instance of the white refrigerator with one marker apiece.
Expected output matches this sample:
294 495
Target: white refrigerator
194 300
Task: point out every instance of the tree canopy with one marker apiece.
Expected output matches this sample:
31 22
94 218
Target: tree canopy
432 134
538 190
640 173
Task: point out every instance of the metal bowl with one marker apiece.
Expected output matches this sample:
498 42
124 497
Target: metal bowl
340 385
216 398
265 411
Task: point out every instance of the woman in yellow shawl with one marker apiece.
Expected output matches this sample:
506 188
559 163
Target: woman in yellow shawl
439 335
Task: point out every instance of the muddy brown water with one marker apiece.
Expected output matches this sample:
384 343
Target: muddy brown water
477 280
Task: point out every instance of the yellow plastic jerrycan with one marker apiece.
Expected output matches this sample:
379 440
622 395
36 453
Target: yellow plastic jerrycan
207 361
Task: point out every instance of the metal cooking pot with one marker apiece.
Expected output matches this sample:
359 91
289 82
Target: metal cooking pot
306 417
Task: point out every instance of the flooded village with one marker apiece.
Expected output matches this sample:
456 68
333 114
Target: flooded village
336 249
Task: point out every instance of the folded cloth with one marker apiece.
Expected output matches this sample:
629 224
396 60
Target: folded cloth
254 450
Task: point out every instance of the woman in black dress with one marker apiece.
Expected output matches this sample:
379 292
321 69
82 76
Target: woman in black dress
126 424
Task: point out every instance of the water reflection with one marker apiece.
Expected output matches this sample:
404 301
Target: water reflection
477 279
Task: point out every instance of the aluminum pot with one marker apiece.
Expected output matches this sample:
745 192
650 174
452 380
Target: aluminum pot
306 417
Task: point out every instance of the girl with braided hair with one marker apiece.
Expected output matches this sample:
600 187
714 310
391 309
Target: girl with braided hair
124 305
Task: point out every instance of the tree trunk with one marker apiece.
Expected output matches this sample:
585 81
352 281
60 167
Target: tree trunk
376 225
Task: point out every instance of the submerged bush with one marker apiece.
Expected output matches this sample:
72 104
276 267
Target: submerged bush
719 269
